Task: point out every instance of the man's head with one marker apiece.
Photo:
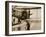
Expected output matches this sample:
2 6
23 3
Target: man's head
24 15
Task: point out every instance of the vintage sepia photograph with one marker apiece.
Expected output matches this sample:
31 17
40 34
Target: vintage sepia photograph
25 18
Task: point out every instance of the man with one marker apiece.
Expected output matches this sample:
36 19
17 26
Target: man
23 18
